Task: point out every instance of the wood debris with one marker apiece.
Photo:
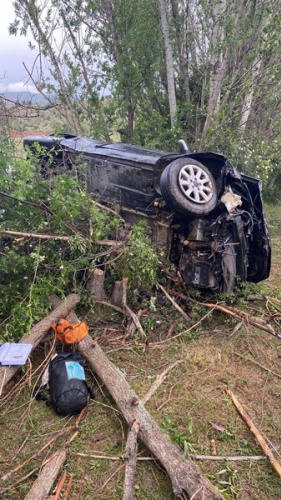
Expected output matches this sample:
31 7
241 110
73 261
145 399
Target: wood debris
254 430
48 474
130 459
186 478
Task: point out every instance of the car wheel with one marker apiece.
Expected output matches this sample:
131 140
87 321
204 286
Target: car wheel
188 187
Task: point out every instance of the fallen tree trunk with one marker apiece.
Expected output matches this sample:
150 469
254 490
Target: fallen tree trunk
44 482
35 335
185 476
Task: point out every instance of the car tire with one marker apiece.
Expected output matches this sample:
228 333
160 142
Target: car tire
188 187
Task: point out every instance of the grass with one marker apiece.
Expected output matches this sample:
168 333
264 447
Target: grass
190 405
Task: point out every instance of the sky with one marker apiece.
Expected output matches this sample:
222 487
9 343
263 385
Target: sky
13 52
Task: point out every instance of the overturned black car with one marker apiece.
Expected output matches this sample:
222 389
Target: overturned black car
206 216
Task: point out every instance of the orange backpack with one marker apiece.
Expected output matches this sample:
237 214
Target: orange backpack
70 333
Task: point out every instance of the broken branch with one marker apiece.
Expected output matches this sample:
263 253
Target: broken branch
38 453
255 321
68 487
258 364
39 236
49 473
136 320
44 482
184 475
130 459
179 309
158 381
60 486
258 436
264 297
119 299
108 457
237 458
35 235
25 202
112 306
21 480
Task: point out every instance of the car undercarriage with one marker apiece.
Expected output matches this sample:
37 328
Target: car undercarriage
206 216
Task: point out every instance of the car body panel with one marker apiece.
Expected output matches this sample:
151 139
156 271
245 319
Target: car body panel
213 251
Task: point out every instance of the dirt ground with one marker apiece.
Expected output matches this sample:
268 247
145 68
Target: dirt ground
214 350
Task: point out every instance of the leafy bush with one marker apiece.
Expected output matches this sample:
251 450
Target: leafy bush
139 263
32 268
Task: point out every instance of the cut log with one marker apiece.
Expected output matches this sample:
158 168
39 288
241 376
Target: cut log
130 459
44 482
185 476
119 294
119 298
36 334
95 283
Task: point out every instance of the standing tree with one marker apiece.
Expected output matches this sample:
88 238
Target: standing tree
169 61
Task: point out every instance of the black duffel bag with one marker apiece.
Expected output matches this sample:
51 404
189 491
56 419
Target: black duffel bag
69 392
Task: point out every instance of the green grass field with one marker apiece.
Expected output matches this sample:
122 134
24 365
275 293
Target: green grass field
190 405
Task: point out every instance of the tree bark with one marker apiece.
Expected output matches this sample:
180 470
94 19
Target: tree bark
185 477
218 63
46 46
248 99
95 284
169 61
182 51
35 335
44 482
119 294
130 458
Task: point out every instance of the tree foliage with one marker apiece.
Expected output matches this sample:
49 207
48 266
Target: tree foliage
32 268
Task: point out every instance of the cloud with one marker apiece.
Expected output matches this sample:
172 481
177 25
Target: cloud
18 87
